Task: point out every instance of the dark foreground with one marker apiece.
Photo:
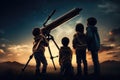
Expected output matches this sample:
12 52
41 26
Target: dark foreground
110 70
56 76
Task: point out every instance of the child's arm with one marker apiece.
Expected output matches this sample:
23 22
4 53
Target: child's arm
46 43
74 42
36 44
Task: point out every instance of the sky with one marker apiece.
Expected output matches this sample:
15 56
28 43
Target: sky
19 17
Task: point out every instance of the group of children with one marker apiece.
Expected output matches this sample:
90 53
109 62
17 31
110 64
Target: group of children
81 42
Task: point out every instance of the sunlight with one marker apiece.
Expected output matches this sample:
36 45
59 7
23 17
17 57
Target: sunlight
110 33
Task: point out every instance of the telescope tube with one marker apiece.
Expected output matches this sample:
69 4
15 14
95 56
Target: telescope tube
61 20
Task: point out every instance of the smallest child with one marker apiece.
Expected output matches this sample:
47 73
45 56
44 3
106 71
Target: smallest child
65 58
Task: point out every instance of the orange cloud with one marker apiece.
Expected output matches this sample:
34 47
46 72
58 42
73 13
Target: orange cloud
19 49
18 53
2 51
110 33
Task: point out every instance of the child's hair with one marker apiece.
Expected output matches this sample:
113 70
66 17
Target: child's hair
79 28
65 41
92 21
36 31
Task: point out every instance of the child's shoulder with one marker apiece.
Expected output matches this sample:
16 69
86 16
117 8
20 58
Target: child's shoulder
66 49
75 35
79 35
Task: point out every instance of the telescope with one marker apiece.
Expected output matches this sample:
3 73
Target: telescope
67 16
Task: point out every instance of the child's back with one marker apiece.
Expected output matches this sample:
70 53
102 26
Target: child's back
65 58
79 41
65 55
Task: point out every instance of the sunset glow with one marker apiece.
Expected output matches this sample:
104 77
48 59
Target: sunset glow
110 33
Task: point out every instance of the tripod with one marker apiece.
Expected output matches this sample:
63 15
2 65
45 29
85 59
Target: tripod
50 37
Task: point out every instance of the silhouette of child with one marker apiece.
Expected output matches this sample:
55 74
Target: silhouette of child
93 42
79 44
65 58
40 42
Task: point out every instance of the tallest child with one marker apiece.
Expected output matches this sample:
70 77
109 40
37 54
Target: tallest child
93 42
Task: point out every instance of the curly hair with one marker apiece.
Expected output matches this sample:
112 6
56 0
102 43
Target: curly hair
65 41
79 27
92 21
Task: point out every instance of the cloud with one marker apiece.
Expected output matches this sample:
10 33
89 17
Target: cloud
3 45
1 36
111 39
2 31
2 51
114 52
15 50
2 54
109 6
80 20
114 35
4 40
117 55
116 31
18 50
105 47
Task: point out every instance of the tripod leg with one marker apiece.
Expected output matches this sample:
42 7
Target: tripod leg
55 44
51 57
27 63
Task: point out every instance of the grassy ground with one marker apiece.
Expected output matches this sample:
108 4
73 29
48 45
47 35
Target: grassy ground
110 70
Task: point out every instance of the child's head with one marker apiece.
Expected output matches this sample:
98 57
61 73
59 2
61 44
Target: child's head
79 28
65 41
36 31
92 21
